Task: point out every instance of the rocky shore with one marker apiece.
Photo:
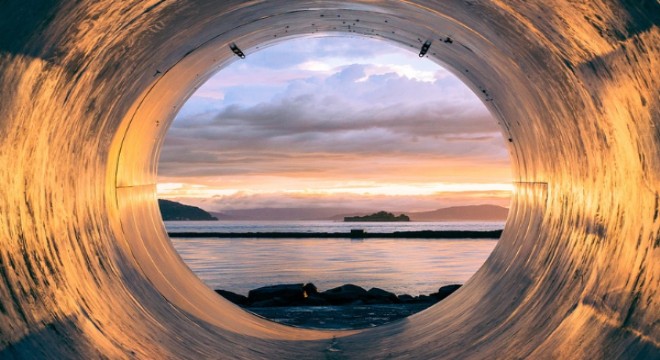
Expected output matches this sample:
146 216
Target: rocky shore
345 307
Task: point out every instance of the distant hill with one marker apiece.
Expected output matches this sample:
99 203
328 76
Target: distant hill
463 213
381 216
172 210
287 214
455 213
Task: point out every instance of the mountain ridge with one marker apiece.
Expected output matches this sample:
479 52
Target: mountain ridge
284 214
482 212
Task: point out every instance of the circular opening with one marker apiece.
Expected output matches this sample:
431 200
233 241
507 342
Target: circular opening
88 270
308 134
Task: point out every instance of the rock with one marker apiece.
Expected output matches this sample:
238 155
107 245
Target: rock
237 299
315 300
274 302
345 294
348 294
380 296
426 299
445 291
286 292
310 289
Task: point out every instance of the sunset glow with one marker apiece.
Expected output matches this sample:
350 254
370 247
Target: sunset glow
334 121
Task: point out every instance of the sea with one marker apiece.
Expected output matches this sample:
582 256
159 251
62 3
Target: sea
402 266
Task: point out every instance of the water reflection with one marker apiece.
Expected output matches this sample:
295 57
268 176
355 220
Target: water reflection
412 266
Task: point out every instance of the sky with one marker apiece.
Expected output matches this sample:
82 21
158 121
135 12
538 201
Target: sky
340 122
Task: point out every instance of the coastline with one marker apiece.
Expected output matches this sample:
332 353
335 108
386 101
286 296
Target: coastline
347 317
424 234
344 307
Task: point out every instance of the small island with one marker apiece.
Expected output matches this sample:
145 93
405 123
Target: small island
381 216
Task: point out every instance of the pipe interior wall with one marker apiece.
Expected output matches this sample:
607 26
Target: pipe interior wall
89 89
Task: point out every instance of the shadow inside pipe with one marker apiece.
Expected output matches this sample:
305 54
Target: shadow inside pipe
55 340
27 19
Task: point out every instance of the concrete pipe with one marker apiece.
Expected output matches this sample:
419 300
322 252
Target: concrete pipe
88 89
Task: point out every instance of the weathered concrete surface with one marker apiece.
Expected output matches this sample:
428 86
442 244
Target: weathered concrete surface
88 89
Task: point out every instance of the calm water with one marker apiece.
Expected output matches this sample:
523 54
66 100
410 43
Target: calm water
413 266
323 226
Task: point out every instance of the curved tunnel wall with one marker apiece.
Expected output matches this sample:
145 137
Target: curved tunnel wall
88 90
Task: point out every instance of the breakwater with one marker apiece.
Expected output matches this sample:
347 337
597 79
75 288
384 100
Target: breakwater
459 234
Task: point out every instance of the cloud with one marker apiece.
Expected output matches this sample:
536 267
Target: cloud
274 116
384 114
